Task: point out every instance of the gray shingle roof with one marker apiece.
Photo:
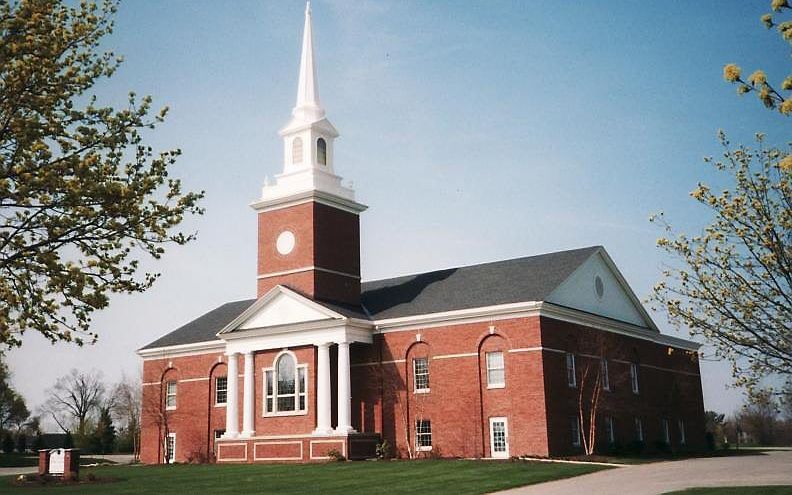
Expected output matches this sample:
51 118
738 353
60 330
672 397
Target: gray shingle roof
501 282
203 328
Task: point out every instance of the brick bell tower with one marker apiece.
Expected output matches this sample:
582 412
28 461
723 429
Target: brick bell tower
308 224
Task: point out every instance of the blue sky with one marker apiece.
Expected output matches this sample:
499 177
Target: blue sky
475 131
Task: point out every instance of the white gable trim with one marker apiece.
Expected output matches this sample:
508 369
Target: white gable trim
614 270
262 302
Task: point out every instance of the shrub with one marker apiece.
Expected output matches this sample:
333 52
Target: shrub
8 443
710 438
662 446
335 455
636 447
383 450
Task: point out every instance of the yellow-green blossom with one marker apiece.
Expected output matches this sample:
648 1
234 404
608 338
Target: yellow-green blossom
757 78
731 72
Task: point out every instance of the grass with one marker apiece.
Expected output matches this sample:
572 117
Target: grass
396 477
737 490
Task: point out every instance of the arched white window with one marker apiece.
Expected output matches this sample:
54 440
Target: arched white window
286 387
297 150
321 151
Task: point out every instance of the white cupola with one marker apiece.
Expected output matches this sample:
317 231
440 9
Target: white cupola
308 138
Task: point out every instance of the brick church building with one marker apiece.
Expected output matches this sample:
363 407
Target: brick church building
514 357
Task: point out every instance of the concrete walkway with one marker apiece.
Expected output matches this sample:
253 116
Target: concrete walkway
771 468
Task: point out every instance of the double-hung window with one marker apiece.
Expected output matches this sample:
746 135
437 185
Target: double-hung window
170 395
570 370
421 374
496 370
682 438
286 387
221 390
665 431
610 429
605 376
634 377
575 428
423 434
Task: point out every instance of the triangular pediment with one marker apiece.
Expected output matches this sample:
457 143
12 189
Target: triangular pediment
280 307
598 287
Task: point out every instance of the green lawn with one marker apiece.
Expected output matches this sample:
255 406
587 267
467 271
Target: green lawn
738 490
396 477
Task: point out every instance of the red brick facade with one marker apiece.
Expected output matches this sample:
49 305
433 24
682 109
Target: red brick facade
536 399
326 251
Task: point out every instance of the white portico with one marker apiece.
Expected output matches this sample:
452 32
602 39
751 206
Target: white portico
280 320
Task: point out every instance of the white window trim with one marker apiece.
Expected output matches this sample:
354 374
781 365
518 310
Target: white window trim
571 378
666 429
171 459
503 368
220 404
605 375
417 390
168 394
634 385
423 448
297 367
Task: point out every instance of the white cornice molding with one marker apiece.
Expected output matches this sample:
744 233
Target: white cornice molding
307 196
525 310
207 347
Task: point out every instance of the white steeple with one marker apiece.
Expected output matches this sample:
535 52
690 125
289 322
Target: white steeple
307 142
308 107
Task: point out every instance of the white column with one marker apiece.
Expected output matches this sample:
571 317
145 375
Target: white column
344 390
323 403
232 399
248 398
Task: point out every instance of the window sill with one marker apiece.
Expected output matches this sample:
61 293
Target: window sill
424 449
421 391
170 408
496 385
221 405
284 413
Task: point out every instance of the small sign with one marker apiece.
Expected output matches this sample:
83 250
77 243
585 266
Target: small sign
56 463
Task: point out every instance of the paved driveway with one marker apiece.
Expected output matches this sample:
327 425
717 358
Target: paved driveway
771 468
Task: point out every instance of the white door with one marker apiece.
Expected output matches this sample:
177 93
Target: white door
499 438
170 448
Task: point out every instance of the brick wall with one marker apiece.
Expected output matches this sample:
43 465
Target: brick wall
326 237
536 399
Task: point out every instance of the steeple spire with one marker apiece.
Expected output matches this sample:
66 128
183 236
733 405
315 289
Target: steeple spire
308 107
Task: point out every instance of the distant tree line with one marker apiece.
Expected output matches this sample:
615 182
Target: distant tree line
94 416
765 421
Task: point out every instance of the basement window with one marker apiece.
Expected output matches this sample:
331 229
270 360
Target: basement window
423 435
